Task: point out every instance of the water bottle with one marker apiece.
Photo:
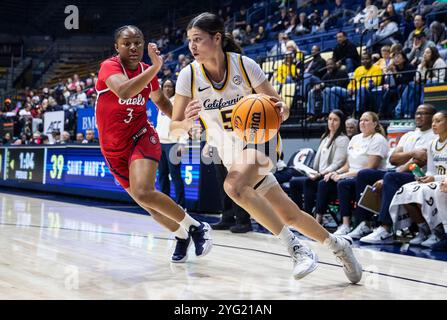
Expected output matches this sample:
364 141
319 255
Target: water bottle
416 170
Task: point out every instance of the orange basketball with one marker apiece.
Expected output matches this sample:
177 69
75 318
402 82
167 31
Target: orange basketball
255 119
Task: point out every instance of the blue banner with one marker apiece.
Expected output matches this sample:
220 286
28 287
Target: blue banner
152 112
86 121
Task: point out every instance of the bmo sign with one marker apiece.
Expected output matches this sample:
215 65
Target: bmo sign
86 121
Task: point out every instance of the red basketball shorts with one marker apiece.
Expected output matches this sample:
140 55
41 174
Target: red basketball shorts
145 144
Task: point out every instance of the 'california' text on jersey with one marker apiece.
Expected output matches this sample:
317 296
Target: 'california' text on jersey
217 104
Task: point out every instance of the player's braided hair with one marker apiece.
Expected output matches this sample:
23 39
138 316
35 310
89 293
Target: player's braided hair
135 29
212 24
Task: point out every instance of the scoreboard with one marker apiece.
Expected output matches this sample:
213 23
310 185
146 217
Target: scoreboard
24 165
81 170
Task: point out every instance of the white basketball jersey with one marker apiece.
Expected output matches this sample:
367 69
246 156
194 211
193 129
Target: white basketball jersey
217 105
437 156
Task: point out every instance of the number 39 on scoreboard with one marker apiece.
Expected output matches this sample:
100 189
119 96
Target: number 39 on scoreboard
57 162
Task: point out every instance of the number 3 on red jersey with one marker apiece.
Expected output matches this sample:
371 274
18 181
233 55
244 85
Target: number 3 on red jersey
129 115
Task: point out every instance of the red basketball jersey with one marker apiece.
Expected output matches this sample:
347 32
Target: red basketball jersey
117 119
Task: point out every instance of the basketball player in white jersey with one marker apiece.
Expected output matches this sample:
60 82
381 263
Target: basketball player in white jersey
212 85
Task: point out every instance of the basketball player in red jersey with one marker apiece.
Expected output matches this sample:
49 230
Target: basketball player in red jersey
129 142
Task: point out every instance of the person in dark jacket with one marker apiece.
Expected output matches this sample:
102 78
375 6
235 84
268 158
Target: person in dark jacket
317 65
396 84
331 90
345 53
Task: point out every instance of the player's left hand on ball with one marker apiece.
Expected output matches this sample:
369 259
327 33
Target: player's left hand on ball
280 105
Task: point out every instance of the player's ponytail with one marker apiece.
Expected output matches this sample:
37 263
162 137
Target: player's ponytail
229 44
212 24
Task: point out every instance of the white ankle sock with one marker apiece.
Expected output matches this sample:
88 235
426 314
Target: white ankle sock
286 236
188 221
333 243
181 233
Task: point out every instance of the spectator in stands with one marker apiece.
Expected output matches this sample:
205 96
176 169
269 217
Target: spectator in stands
6 105
65 137
345 53
331 156
419 27
166 73
395 48
368 149
332 90
292 47
314 21
280 47
413 92
420 43
25 139
80 97
309 78
432 68
56 134
317 66
181 59
36 139
90 136
303 25
361 13
327 22
282 22
438 35
172 149
25 113
385 35
364 84
412 147
352 127
437 9
80 138
414 201
6 141
385 61
169 57
37 112
341 13
241 19
238 36
287 71
402 73
260 36
390 13
44 139
249 35
292 25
